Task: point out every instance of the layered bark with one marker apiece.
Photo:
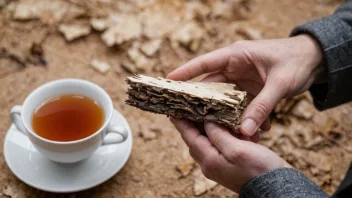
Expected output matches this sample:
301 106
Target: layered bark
217 102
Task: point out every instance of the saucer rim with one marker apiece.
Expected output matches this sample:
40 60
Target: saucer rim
124 161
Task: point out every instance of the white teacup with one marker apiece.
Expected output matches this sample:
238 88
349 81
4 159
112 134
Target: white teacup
73 151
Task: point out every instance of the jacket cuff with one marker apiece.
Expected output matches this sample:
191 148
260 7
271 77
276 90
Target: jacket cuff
281 182
334 35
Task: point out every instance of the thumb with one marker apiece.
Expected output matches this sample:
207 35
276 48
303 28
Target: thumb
260 107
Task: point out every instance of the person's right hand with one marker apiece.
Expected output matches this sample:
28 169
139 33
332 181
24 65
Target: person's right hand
268 70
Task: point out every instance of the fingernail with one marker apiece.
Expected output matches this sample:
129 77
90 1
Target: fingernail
249 126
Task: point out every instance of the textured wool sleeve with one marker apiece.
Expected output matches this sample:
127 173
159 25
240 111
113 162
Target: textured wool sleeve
334 33
282 183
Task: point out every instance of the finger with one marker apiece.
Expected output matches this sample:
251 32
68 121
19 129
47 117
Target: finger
266 126
187 130
256 137
211 62
198 144
195 157
245 138
215 77
221 138
252 87
260 107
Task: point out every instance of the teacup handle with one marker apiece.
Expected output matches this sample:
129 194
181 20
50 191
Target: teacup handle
115 129
15 116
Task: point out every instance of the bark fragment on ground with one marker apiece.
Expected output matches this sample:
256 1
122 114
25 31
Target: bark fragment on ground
48 12
119 28
186 167
200 183
74 31
196 101
100 66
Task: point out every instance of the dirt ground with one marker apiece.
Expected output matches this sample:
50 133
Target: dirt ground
314 143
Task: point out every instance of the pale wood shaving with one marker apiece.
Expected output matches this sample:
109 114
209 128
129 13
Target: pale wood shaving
100 66
149 48
73 31
119 28
48 11
189 35
200 183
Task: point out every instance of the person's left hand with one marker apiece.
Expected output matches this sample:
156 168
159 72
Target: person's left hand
230 161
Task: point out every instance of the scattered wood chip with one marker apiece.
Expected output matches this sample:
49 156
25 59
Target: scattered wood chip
200 183
129 67
294 138
276 131
158 22
149 48
13 192
100 66
136 177
347 148
148 194
335 134
189 35
195 10
9 191
324 124
249 33
285 145
298 159
314 170
142 62
47 11
322 121
197 101
317 160
100 24
74 31
145 129
146 133
119 28
303 109
186 167
242 9
315 142
221 9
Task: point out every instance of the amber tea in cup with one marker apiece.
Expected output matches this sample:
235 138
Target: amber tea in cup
67 118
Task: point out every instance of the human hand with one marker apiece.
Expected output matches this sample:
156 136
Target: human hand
268 70
224 158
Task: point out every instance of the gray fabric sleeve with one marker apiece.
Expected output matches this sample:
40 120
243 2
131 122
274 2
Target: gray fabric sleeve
334 33
282 183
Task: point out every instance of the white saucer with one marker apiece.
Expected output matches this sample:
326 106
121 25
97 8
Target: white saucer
37 171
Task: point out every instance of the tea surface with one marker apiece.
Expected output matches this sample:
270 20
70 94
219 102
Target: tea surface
67 118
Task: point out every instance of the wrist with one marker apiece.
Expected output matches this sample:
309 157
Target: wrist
315 55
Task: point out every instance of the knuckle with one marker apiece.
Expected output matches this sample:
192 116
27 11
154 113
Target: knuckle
286 83
216 135
262 110
283 81
193 144
209 166
237 154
